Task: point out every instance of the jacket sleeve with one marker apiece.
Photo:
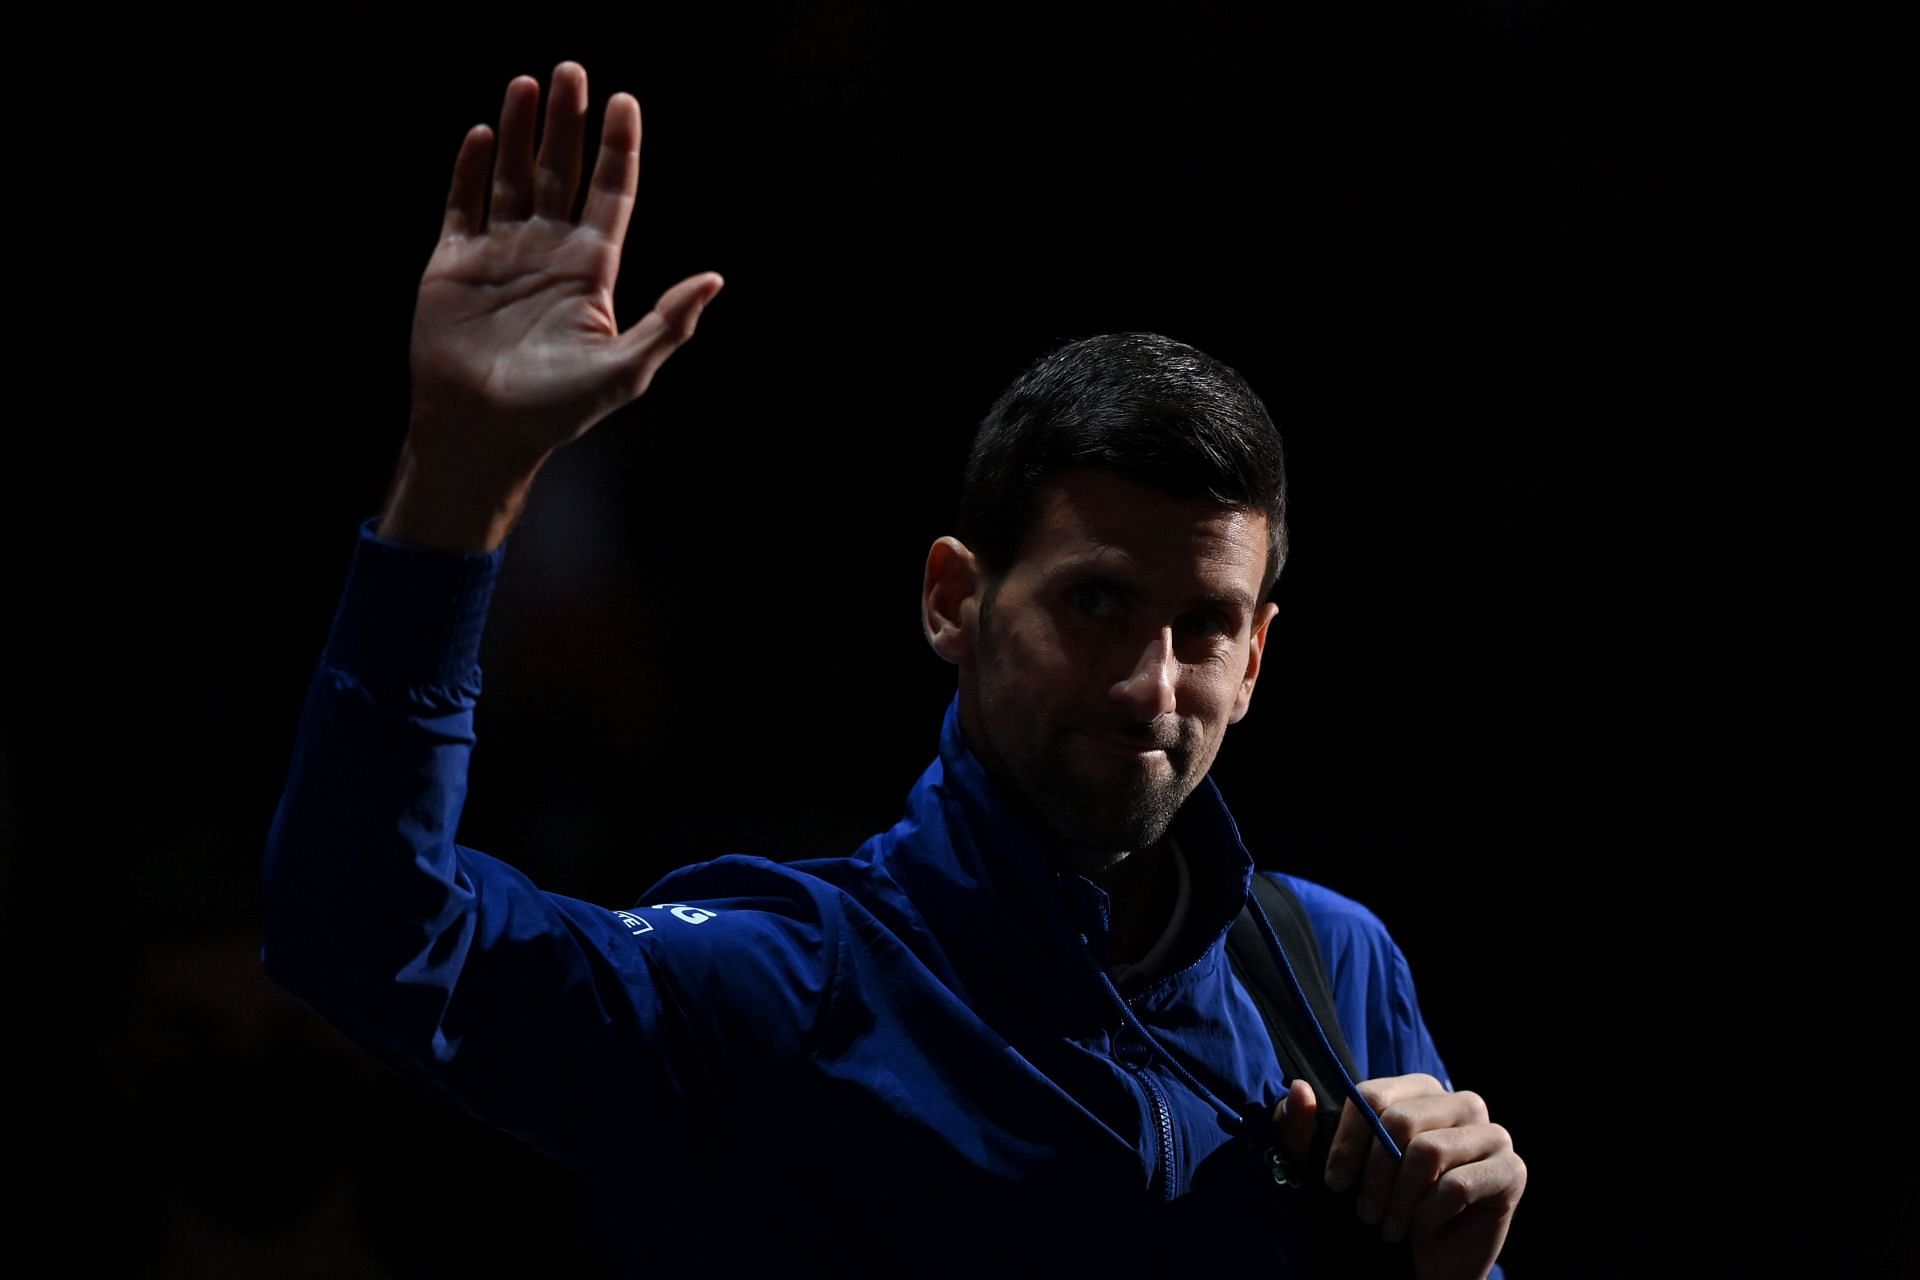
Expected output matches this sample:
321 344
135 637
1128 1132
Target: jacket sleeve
557 1020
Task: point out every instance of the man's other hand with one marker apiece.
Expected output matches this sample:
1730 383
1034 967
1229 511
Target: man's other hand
1453 1192
515 347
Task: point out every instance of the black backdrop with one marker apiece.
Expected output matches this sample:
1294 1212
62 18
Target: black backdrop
1581 332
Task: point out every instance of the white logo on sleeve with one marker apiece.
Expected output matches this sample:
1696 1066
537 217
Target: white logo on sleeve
681 911
638 924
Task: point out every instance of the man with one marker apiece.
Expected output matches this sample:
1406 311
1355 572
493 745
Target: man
1004 1030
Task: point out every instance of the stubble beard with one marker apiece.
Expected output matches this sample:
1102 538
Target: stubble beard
1105 823
1094 825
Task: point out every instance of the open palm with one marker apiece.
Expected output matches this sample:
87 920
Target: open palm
516 350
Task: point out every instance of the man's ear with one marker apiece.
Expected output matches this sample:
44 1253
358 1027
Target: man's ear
1255 648
950 599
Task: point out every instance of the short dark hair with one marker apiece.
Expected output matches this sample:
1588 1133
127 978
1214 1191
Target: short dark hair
1151 409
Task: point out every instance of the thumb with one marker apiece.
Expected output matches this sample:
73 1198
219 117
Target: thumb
1293 1120
641 350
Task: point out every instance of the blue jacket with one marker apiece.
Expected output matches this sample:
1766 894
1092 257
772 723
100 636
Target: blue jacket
915 1048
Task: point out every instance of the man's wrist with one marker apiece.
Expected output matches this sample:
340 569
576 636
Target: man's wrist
457 506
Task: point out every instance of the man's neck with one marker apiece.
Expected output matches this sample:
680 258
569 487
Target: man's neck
1140 891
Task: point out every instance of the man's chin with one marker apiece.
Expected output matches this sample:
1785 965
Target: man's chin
1101 827
1099 814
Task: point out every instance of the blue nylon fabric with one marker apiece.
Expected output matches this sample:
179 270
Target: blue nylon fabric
928 1011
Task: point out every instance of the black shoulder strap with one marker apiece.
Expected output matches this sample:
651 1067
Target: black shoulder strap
1343 1245
1301 1052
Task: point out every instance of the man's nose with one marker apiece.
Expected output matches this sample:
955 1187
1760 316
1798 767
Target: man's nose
1147 691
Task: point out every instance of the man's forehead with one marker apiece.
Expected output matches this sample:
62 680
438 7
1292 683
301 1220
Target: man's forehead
1086 518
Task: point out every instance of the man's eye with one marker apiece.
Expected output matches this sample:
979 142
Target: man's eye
1095 602
1204 625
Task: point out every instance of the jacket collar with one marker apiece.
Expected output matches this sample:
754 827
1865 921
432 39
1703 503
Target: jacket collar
1010 924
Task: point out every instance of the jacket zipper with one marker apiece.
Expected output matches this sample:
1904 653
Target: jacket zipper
1165 1115
1163 1112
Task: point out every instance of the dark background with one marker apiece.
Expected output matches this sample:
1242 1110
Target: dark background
1581 332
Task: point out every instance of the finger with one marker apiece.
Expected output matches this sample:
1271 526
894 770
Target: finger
1492 1185
467 199
1408 1117
642 349
1430 1156
1353 1137
1376 1184
1407 1121
1293 1120
513 168
616 171
556 178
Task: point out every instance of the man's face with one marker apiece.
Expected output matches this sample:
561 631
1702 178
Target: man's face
1103 669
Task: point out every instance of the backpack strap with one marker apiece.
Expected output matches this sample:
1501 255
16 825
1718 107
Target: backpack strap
1302 1053
1343 1245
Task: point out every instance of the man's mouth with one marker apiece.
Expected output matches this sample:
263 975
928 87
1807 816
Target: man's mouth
1136 745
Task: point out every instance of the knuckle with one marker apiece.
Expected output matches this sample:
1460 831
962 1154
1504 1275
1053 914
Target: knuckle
1425 1157
1519 1181
680 327
1501 1135
1385 1091
1452 1193
1474 1103
1381 1089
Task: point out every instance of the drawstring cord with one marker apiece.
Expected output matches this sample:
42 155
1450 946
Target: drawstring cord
1234 1120
1300 1001
1237 1121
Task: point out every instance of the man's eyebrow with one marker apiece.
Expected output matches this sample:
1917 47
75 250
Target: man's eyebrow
1231 600
1098 570
1096 567
1089 576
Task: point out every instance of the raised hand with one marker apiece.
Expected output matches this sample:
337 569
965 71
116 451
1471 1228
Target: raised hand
516 350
